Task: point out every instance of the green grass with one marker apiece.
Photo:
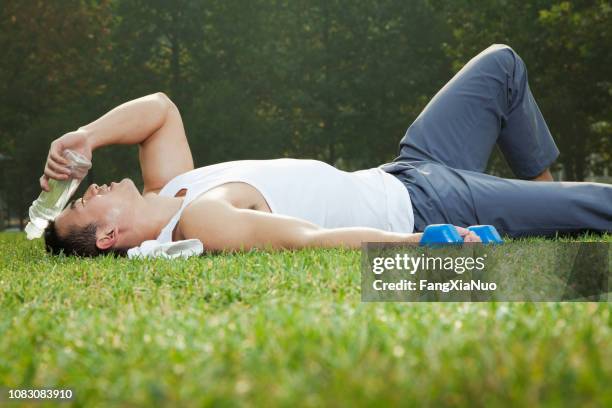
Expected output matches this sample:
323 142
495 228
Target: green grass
281 329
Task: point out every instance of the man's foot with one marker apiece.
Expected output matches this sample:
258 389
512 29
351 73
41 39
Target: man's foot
544 176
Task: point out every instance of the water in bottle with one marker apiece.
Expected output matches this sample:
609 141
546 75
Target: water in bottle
50 204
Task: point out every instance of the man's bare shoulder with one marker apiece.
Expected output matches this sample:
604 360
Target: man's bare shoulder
204 219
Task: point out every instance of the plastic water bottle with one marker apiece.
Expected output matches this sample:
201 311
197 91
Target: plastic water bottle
50 204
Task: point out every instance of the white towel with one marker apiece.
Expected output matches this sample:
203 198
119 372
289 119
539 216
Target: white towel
169 250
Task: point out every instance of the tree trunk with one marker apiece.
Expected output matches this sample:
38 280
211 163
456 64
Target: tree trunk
580 155
328 116
568 168
175 63
579 169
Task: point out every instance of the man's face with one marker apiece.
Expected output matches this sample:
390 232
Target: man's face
102 205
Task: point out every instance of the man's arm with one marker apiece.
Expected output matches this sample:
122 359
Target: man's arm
153 122
223 227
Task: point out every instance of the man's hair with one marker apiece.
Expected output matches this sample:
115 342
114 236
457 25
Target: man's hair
77 242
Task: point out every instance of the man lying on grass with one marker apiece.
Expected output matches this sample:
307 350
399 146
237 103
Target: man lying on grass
291 203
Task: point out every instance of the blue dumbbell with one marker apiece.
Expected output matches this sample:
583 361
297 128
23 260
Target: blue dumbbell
440 234
448 234
487 233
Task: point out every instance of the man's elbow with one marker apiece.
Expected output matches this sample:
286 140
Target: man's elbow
162 97
164 101
248 239
307 238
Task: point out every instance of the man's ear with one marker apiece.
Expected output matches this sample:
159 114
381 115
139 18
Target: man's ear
106 237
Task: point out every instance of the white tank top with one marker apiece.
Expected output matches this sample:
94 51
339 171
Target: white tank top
308 189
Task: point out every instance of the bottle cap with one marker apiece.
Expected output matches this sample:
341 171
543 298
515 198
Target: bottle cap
33 231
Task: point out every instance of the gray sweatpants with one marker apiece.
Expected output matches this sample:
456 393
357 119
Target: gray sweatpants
445 151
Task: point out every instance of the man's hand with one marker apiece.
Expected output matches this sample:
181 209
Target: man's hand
56 166
467 235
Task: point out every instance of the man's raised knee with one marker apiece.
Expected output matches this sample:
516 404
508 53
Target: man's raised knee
499 46
502 53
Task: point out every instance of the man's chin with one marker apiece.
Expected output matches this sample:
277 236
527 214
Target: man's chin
130 185
126 182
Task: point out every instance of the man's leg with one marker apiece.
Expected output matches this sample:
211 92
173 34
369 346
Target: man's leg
488 101
443 195
524 208
448 146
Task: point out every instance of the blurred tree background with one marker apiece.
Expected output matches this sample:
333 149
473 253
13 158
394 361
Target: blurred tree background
338 81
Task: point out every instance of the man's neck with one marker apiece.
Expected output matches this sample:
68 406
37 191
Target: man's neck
152 216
